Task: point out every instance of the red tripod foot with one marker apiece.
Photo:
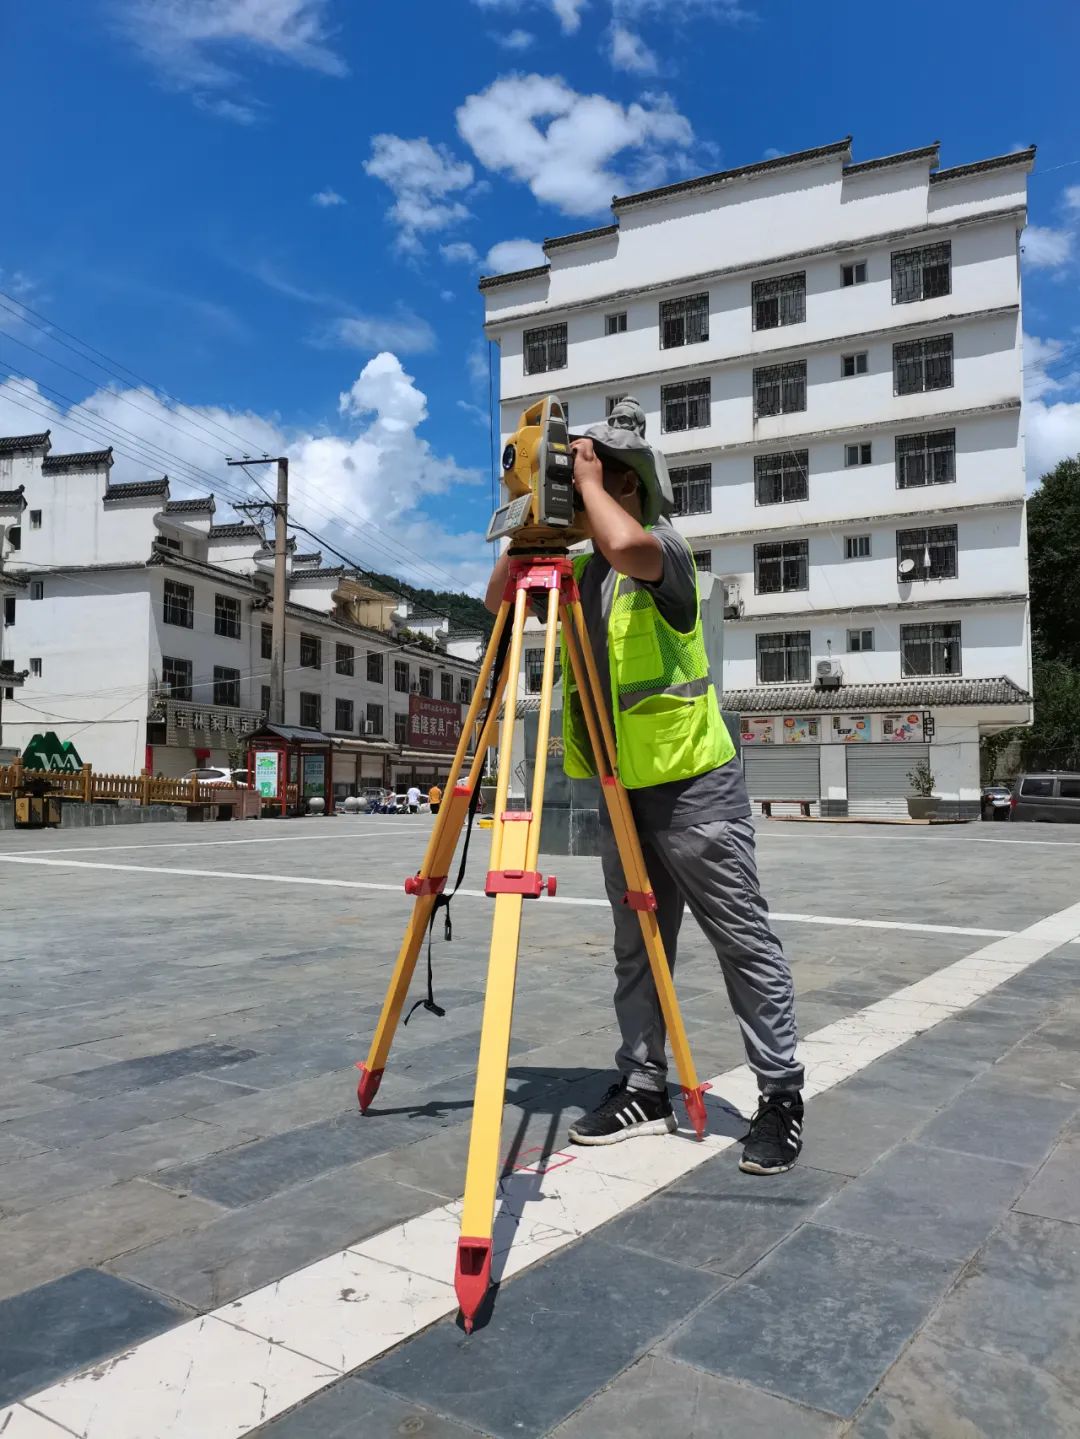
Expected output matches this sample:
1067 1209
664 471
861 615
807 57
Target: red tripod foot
368 1088
473 1277
695 1107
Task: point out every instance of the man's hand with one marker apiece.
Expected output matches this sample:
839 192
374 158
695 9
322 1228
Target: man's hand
588 470
617 533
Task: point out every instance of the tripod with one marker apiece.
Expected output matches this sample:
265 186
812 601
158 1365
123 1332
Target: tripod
512 878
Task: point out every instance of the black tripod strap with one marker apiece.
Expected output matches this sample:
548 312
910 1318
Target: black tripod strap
442 901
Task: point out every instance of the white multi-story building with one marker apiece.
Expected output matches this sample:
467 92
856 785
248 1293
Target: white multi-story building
144 629
829 354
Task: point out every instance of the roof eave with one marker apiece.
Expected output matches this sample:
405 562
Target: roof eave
838 149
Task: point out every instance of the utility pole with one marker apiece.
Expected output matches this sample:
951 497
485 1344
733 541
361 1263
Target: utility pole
280 509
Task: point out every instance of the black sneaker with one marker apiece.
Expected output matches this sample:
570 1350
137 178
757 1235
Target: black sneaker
624 1113
774 1139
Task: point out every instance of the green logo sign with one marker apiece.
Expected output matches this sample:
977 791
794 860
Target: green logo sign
45 751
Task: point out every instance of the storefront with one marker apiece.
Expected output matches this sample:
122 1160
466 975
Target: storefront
291 766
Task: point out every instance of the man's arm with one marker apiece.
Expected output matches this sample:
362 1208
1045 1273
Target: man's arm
622 540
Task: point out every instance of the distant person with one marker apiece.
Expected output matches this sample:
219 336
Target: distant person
412 799
434 796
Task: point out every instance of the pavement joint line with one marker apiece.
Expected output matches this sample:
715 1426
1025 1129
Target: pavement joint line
207 843
840 921
797 832
300 1334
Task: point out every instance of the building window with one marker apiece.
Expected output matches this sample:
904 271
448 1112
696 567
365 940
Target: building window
425 678
703 560
9 609
932 550
35 519
227 616
176 677
615 324
925 459
922 273
401 729
534 671
781 301
310 710
780 389
226 686
781 565
686 406
266 641
856 364
343 716
35 668
167 542
858 454
691 486
856 547
920 365
37 589
784 658
401 676
853 274
446 687
684 321
14 535
310 652
780 479
344 656
464 691
860 642
610 401
375 668
179 604
929 650
545 349
374 723
264 699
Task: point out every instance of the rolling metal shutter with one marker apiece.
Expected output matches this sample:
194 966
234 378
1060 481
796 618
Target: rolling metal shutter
783 772
877 777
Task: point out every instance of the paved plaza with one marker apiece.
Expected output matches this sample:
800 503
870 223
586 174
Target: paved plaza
200 1236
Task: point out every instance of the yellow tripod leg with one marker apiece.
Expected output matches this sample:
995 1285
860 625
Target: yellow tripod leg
639 893
427 884
515 846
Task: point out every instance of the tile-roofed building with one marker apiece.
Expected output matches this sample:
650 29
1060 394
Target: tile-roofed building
14 497
83 460
139 490
855 699
201 505
14 444
240 530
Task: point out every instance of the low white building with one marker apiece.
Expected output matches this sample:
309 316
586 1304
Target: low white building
829 354
145 627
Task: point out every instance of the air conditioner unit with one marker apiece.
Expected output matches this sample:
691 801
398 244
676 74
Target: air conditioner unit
369 727
733 605
829 675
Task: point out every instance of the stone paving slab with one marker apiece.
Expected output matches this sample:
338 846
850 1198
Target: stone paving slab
356 1410
1054 1193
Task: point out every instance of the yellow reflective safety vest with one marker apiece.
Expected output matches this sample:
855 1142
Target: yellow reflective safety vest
667 720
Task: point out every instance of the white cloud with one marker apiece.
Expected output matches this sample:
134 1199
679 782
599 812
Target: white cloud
405 331
327 198
1045 248
447 295
567 12
460 252
422 178
1051 416
239 112
1071 198
193 43
510 255
474 412
629 52
562 144
373 468
476 365
514 39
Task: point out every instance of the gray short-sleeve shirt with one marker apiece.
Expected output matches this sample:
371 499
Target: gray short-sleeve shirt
718 793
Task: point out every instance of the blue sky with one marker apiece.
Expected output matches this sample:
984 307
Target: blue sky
276 211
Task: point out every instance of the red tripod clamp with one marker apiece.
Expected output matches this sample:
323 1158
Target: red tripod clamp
428 884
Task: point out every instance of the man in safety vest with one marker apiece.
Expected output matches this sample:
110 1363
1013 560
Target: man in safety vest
639 596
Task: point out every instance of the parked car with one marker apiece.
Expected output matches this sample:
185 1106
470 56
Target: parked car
215 774
996 801
1046 798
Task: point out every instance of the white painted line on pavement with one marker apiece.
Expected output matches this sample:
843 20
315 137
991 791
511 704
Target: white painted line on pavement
841 921
796 831
203 843
225 1374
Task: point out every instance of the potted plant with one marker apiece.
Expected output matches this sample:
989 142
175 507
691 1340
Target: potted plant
921 803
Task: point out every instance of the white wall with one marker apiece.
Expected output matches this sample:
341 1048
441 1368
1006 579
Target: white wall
77 528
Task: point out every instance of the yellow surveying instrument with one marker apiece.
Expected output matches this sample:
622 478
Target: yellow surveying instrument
540 519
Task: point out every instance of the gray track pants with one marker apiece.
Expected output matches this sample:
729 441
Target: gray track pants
712 868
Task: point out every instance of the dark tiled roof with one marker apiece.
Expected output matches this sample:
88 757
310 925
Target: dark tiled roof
11 444
238 531
761 167
138 489
313 557
203 505
488 282
601 230
995 162
12 497
331 570
902 157
854 699
85 460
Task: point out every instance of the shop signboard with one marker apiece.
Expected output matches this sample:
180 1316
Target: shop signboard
314 775
757 729
801 729
434 724
266 773
851 729
902 726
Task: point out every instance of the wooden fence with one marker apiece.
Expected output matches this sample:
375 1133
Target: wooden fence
143 788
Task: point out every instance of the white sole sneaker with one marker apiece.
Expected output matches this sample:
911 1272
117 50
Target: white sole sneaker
667 1125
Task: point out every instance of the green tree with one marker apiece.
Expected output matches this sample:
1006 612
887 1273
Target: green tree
1054 563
